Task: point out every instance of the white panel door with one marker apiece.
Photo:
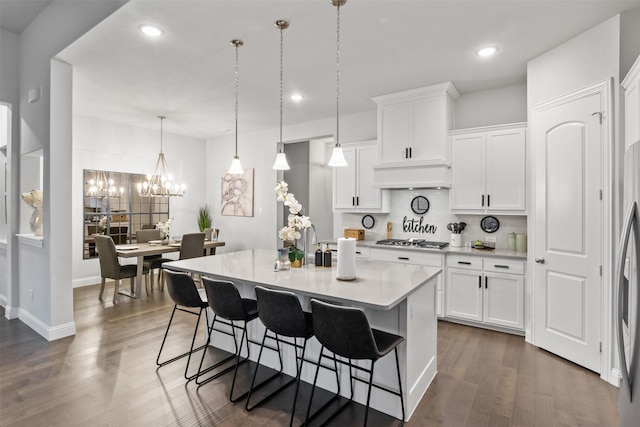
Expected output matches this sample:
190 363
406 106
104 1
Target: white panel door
506 172
368 197
344 181
504 300
395 132
567 143
464 294
468 171
427 141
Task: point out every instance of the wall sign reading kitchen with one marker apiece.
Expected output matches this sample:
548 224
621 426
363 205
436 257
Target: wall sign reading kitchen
416 226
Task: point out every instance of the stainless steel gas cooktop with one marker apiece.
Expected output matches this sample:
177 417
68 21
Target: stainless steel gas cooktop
414 243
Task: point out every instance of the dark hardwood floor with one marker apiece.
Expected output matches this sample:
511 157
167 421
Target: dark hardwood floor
106 375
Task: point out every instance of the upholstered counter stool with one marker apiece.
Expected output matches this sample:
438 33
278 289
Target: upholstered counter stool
282 316
345 331
187 298
229 308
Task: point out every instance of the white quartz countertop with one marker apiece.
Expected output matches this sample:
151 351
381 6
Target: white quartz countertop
501 253
379 285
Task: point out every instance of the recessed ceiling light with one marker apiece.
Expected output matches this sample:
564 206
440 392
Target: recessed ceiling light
296 97
486 51
151 30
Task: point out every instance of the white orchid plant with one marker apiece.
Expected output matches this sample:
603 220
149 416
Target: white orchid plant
33 198
164 227
103 222
296 221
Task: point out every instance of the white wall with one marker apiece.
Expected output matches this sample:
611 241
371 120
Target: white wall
103 145
46 126
491 107
258 150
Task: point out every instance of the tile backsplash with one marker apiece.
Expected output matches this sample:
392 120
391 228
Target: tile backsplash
433 224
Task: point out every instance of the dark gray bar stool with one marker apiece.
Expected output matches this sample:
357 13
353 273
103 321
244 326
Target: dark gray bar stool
225 301
282 315
185 295
345 331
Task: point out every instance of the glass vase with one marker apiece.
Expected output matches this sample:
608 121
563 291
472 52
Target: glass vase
36 222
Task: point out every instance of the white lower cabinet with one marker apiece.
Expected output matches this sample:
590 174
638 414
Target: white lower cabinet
431 259
478 290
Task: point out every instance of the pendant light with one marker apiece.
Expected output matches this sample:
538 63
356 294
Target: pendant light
337 156
160 183
236 167
281 163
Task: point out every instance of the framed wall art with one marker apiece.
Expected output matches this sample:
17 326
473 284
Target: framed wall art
237 194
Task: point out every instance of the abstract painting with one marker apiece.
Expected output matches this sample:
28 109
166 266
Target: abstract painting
237 194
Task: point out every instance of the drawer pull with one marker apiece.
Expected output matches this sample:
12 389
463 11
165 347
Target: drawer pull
358 252
464 262
403 258
500 266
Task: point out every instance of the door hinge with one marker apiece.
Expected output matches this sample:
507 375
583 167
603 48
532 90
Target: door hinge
600 270
600 346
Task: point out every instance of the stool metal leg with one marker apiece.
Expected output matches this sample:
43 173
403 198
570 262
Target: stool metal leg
400 386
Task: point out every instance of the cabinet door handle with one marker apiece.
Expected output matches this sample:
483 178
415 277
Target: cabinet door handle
488 200
406 153
486 282
479 282
464 262
500 266
357 200
410 152
483 200
403 258
353 201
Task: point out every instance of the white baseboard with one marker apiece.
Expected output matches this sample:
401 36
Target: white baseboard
49 333
614 377
11 312
3 301
86 281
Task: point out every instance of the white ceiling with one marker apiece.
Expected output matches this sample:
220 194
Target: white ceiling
16 15
386 46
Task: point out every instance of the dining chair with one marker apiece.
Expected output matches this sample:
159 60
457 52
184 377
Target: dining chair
345 331
110 267
152 262
191 246
148 226
187 298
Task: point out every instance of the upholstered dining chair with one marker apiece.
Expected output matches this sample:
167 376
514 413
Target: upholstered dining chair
191 246
110 267
152 262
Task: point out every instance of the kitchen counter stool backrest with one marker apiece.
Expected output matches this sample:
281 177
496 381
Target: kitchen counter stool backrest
192 245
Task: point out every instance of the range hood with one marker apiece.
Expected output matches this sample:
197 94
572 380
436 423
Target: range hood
426 174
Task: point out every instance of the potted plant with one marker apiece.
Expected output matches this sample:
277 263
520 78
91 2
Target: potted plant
204 218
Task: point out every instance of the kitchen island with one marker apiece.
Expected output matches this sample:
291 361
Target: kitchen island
397 298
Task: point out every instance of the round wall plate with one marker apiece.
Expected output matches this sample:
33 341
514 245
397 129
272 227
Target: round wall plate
489 224
368 222
420 205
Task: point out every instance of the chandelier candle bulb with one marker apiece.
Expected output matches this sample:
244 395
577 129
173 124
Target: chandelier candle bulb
346 269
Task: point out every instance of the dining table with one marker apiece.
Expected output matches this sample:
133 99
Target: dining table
141 250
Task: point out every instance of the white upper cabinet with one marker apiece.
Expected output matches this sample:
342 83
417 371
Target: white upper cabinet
488 170
353 189
413 131
631 86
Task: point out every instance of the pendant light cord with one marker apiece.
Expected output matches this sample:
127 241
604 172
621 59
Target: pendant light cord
281 80
236 93
161 120
338 77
